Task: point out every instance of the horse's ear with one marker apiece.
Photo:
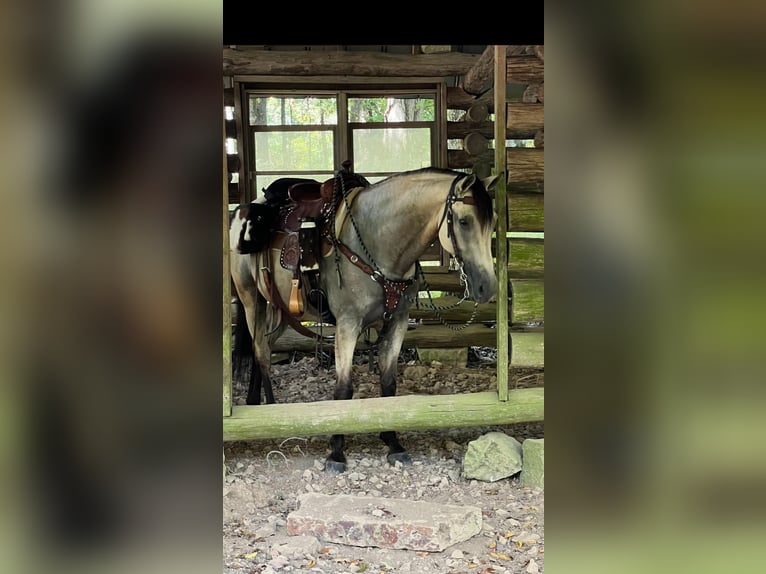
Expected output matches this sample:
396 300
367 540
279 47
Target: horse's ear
490 182
465 184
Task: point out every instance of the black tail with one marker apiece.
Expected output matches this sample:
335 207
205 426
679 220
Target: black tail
242 355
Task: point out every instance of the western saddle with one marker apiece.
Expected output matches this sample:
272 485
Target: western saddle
304 231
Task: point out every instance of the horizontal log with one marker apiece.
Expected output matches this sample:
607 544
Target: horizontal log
526 211
248 61
477 113
528 305
484 312
526 259
534 93
521 50
525 164
525 70
402 413
432 337
459 99
458 158
475 144
480 78
526 187
528 300
523 131
525 118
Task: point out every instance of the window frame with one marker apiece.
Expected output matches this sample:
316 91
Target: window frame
247 86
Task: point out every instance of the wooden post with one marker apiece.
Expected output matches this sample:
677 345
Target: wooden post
501 202
226 291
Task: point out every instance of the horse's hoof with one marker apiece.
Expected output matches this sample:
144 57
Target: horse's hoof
401 457
334 467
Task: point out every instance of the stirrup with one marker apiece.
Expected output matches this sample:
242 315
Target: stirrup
296 300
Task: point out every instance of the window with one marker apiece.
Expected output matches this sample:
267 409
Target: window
309 133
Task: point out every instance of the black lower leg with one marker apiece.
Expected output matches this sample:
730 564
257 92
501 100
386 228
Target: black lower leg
336 462
254 390
268 392
396 452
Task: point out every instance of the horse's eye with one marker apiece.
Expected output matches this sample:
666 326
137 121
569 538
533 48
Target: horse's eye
463 221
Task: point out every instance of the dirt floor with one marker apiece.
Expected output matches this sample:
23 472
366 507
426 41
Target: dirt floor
265 477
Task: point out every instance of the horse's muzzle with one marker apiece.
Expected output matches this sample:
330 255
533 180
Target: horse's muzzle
483 288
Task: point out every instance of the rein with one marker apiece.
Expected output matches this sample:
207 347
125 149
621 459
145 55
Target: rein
392 288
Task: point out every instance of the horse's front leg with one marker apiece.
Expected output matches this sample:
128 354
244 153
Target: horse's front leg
391 337
346 334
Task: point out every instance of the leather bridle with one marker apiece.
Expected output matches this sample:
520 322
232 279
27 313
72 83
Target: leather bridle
394 288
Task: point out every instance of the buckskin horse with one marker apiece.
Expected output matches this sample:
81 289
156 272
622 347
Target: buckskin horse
369 240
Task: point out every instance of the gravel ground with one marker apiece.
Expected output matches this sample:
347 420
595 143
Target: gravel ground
265 477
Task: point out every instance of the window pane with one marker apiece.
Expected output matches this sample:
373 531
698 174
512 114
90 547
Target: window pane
399 109
293 111
391 149
291 151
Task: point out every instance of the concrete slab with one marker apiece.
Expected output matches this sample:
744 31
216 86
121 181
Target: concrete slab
383 522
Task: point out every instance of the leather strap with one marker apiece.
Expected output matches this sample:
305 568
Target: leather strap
277 301
296 300
393 288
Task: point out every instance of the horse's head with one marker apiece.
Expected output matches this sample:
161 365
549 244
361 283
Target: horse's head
468 236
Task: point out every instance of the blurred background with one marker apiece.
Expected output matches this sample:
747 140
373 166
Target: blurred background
111 173
655 197
111 254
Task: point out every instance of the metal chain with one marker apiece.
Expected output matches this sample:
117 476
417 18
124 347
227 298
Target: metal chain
356 228
437 309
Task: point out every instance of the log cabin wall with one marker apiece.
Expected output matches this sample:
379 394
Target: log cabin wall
468 143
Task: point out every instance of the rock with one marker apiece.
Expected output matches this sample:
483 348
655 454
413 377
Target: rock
533 463
297 547
492 456
405 524
532 567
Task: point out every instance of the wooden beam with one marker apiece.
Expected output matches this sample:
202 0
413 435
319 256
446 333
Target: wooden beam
527 211
525 118
458 158
459 99
245 60
227 393
528 350
525 70
540 139
525 164
476 113
402 413
522 50
528 305
475 144
480 78
530 122
501 202
528 300
534 93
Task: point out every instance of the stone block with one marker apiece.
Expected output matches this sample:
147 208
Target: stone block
491 457
447 357
383 522
533 463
